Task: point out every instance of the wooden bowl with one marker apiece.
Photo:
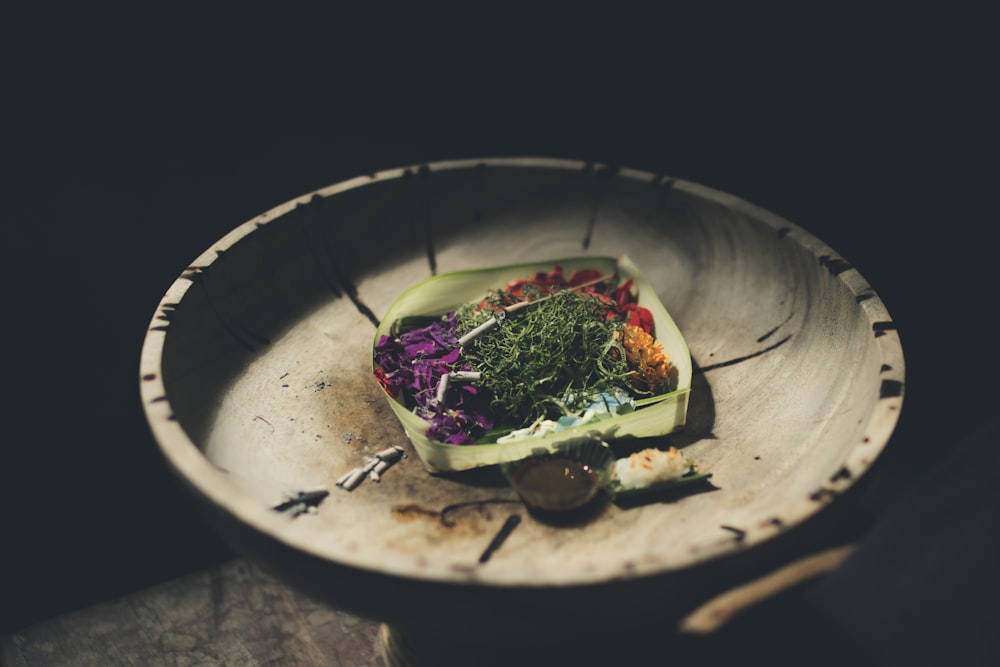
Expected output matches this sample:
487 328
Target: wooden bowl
256 381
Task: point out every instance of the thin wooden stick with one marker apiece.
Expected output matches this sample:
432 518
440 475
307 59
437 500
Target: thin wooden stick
521 305
718 611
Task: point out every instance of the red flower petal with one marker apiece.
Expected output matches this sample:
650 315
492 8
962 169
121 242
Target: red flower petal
642 318
390 387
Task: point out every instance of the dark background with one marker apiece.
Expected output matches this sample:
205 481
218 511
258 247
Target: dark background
129 152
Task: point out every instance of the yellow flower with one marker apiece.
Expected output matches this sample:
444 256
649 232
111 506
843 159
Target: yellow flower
646 356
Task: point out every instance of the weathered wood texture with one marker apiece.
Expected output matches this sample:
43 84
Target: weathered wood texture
232 615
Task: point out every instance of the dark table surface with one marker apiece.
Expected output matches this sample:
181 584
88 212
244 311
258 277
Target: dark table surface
120 174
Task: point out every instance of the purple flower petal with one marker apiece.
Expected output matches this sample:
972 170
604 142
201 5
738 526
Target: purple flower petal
416 361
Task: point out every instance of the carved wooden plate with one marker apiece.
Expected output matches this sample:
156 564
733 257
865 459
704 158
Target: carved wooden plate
256 381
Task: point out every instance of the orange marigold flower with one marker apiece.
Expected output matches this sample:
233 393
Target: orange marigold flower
647 358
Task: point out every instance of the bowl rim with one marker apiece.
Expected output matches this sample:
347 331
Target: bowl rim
194 469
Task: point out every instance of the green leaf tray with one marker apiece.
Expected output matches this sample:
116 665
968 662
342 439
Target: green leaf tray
437 295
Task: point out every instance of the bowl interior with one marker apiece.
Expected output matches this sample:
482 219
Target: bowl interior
256 371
